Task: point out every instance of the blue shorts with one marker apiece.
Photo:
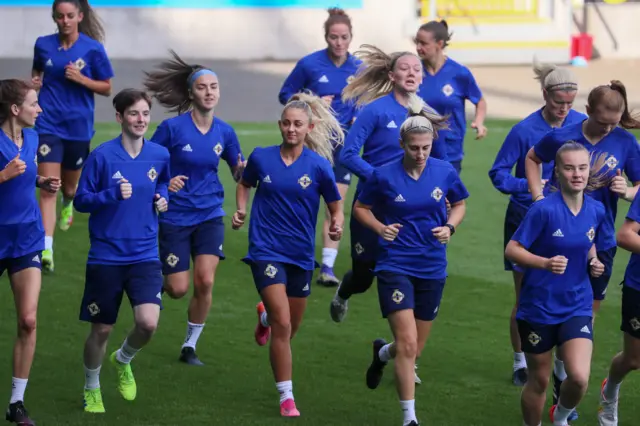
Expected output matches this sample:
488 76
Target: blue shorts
457 165
296 280
342 174
106 284
17 264
600 284
630 312
512 220
70 154
541 338
179 244
397 292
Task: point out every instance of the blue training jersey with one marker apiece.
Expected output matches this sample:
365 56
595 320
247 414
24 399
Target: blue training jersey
632 273
197 156
317 73
68 107
550 229
284 213
377 130
419 206
21 229
122 231
446 92
514 151
619 150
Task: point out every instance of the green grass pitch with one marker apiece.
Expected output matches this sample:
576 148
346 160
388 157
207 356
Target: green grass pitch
465 367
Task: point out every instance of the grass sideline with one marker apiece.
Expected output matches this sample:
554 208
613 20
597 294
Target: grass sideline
465 368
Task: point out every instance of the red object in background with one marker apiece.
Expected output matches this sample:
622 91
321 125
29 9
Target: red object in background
582 45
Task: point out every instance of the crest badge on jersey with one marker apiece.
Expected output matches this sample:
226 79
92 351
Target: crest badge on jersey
152 174
437 194
305 181
591 234
218 149
611 162
350 79
447 90
80 63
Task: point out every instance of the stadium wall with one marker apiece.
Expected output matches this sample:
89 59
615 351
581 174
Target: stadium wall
215 29
614 29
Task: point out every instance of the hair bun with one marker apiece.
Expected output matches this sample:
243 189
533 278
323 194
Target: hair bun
333 11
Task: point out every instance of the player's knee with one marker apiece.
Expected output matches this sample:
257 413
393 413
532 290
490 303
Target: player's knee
407 346
632 360
538 381
176 288
280 323
580 379
27 323
203 285
100 333
147 325
69 192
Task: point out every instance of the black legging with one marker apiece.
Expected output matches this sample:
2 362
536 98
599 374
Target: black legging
358 280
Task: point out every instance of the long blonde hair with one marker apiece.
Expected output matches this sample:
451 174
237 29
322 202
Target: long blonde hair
372 78
422 119
326 131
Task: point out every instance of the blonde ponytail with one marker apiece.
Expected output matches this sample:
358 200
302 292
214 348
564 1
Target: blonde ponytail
422 119
326 131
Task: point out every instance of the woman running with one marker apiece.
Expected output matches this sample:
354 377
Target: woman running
627 360
414 227
193 226
559 90
555 245
326 73
290 179
123 187
446 86
21 230
69 67
383 87
612 150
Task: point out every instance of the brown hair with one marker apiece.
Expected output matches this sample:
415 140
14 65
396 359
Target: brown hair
613 97
372 78
439 29
127 97
90 24
169 84
12 92
336 16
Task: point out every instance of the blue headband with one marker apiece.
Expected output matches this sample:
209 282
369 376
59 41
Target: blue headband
193 77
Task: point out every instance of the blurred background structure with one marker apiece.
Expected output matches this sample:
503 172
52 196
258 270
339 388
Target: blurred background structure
254 43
